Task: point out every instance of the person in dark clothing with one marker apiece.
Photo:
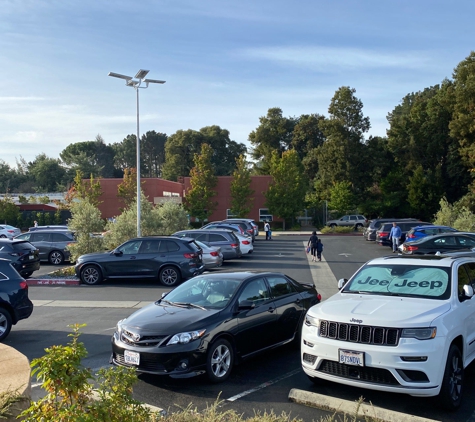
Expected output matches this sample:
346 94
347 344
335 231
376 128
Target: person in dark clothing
312 242
319 249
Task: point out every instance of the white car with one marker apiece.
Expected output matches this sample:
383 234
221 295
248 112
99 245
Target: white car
245 243
400 324
9 232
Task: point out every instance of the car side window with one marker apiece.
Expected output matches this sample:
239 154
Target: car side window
202 237
25 236
466 242
3 277
279 286
470 267
41 237
131 248
463 279
59 237
149 246
168 246
345 218
353 217
256 291
213 237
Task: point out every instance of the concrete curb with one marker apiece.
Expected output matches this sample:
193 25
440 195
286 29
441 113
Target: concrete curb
365 410
52 282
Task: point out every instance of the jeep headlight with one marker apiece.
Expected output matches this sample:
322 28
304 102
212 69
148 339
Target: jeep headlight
419 333
311 321
184 338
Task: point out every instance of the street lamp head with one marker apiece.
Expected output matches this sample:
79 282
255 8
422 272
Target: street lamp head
141 74
153 81
132 83
118 75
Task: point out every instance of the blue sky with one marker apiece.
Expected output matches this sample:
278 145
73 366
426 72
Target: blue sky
225 63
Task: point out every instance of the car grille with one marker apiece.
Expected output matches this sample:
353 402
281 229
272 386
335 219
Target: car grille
147 363
360 333
145 341
361 373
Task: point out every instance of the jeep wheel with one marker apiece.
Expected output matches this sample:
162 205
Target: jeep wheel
451 391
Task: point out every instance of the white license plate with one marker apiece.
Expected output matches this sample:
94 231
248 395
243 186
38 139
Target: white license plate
349 357
32 257
132 358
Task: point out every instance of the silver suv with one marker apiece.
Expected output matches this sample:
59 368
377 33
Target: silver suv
353 220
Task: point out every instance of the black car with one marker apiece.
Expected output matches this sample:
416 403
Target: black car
14 302
52 244
212 321
23 255
445 242
166 258
382 235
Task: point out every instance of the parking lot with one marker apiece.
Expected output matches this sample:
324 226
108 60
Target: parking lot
260 384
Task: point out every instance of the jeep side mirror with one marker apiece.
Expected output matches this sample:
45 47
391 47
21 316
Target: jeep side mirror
468 291
342 282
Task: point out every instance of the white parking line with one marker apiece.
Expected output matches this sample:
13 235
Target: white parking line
264 385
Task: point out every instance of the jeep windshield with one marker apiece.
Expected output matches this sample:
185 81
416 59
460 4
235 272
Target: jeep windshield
401 280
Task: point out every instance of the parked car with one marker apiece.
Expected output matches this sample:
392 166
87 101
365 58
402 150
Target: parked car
382 235
225 239
166 258
8 232
248 220
400 324
369 233
212 256
245 243
212 321
52 244
14 302
419 232
246 225
353 220
23 255
218 225
53 227
444 242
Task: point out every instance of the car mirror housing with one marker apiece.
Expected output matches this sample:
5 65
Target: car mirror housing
246 304
468 291
342 282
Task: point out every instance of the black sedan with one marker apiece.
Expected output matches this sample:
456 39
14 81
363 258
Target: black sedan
445 242
212 321
14 302
23 255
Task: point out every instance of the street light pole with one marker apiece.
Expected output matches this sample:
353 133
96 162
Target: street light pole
136 83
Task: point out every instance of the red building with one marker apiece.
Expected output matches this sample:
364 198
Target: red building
160 190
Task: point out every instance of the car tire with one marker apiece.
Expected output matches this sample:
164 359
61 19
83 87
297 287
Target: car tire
450 395
220 361
56 258
332 225
91 275
358 225
5 323
169 276
2 236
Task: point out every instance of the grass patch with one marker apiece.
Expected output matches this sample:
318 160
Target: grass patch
63 272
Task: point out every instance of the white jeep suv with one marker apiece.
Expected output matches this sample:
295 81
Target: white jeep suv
399 324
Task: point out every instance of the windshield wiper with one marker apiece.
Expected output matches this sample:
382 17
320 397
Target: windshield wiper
189 305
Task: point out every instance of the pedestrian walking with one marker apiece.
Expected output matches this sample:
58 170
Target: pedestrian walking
319 249
267 229
395 236
312 242
35 223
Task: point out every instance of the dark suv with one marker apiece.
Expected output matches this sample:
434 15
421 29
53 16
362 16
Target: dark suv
52 244
164 257
225 239
382 235
369 233
14 302
23 255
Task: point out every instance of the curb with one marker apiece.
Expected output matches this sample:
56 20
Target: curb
365 410
52 282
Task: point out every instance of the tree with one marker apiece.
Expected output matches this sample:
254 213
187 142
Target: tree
127 190
342 198
203 180
286 193
9 212
172 217
152 153
125 153
241 192
274 133
425 191
90 190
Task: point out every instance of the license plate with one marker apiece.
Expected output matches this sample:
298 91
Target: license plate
132 358
349 357
32 257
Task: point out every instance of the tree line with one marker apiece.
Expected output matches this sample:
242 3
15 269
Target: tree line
428 154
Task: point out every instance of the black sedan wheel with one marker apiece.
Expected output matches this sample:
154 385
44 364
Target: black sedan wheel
91 275
5 323
56 258
220 361
169 276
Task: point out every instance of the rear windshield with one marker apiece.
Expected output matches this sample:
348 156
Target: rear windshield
401 280
22 246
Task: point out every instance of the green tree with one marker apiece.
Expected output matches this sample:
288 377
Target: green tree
198 200
286 193
125 153
127 190
342 198
172 217
274 134
9 212
90 189
241 192
152 153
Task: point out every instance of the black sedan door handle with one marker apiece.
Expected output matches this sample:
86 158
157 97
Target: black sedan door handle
271 309
132 257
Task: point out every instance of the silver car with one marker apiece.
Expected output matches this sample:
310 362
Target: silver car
8 232
353 220
212 255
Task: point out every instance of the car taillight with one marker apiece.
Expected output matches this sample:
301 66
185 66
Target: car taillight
11 231
245 242
214 253
23 285
234 245
190 255
411 236
381 234
250 231
319 297
411 248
